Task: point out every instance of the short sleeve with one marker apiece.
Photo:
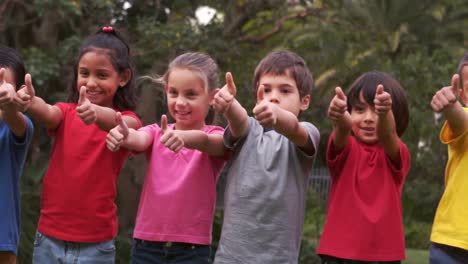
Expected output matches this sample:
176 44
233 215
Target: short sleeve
230 142
400 171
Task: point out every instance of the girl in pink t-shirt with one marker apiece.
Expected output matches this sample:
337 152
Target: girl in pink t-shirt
368 165
177 203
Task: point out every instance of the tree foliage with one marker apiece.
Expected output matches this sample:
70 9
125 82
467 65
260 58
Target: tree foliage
418 42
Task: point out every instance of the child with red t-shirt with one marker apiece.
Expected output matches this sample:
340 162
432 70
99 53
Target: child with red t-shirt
78 221
368 164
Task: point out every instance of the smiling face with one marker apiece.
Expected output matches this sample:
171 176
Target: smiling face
364 121
187 99
97 73
282 90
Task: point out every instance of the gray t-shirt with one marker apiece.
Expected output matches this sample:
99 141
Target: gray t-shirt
265 197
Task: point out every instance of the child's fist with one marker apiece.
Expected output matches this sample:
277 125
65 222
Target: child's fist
170 138
265 112
223 99
7 91
382 101
338 105
446 96
25 94
86 110
117 136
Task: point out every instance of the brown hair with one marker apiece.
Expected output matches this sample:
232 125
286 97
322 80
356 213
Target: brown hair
284 62
202 65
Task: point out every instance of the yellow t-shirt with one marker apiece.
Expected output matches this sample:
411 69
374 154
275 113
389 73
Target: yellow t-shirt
451 220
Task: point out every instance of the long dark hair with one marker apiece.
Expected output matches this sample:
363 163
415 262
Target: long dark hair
111 41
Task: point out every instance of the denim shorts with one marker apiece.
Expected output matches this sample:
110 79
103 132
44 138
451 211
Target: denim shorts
169 252
443 254
54 251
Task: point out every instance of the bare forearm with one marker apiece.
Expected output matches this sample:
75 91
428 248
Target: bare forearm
342 130
43 112
386 130
237 119
106 119
210 143
456 118
15 121
137 140
288 125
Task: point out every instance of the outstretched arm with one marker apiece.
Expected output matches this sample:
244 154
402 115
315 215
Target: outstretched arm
386 128
122 135
8 111
445 101
339 115
282 121
104 117
195 139
226 104
37 108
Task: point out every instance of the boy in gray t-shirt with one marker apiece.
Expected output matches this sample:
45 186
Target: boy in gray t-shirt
273 154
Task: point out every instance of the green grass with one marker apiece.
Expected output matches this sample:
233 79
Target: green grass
416 256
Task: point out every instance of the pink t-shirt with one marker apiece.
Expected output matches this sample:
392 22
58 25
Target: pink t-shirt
364 214
179 193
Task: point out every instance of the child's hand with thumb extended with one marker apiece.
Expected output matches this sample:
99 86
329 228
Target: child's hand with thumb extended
446 96
7 92
382 101
86 110
224 97
25 94
338 105
117 136
265 111
170 138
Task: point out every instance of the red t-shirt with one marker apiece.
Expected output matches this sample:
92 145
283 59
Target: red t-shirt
78 190
364 213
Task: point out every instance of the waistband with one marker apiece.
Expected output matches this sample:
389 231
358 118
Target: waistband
168 244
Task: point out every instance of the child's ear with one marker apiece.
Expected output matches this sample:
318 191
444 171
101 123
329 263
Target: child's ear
125 77
305 101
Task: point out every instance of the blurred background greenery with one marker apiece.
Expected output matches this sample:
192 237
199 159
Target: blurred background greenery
418 42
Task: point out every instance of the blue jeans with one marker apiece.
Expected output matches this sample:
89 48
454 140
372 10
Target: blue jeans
169 252
48 250
443 254
333 260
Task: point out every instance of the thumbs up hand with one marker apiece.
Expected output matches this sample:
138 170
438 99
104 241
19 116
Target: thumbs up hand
265 112
382 101
170 138
25 94
338 105
225 96
86 110
117 136
446 96
7 92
